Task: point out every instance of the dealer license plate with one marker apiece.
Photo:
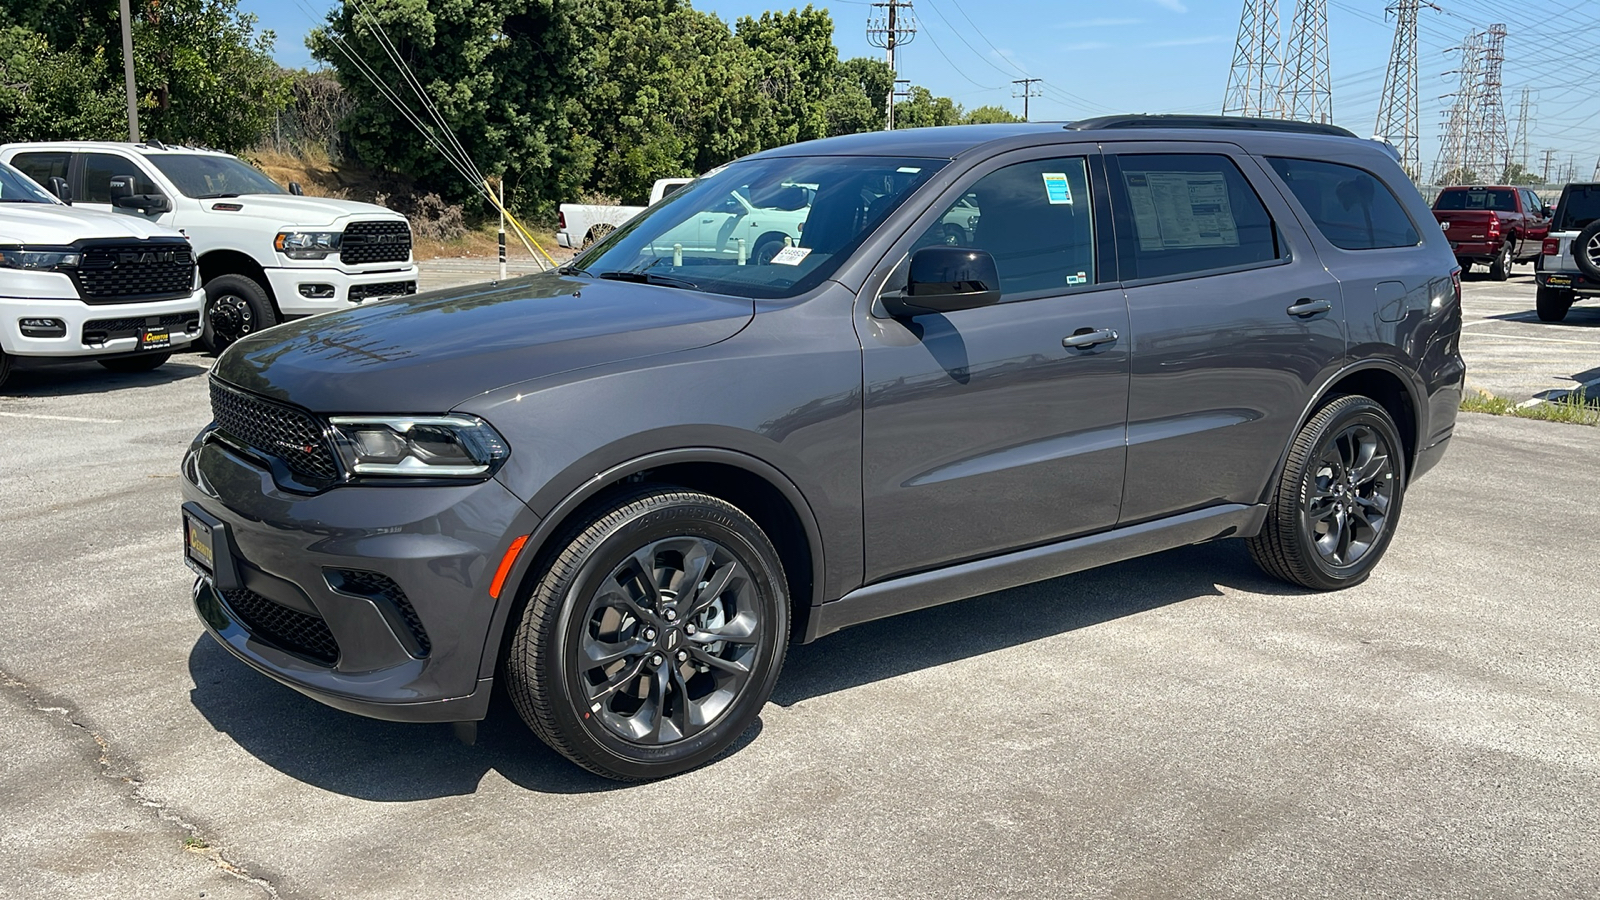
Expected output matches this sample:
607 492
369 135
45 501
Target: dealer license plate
154 339
199 547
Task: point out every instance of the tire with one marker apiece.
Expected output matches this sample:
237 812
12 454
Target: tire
1500 266
148 362
955 235
625 716
5 368
766 248
1586 251
1552 303
1347 459
236 306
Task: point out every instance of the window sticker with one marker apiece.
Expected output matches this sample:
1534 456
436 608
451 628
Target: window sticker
1080 278
790 256
1057 189
1181 210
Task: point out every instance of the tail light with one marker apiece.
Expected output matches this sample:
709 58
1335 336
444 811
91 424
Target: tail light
1494 225
561 219
1455 284
1552 246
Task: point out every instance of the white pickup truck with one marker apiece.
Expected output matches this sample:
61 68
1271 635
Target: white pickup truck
581 224
265 253
76 284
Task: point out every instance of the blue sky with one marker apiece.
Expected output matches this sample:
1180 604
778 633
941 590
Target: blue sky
1173 56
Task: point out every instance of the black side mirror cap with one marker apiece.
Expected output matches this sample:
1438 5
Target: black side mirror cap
946 279
59 187
121 189
295 189
123 197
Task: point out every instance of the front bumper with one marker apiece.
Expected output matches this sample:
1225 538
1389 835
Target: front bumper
335 288
102 329
416 653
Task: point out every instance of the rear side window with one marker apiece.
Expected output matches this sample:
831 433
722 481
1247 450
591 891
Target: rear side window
1490 199
100 168
1579 206
1189 213
41 167
1352 208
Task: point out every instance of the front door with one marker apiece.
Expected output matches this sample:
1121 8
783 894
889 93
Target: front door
983 432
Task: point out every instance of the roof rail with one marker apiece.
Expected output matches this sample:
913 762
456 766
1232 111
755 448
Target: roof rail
1239 122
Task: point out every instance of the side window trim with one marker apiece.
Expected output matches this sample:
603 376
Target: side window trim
1308 222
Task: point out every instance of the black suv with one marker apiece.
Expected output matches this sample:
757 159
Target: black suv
625 487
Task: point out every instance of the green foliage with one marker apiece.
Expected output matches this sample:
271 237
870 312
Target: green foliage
985 115
51 95
922 110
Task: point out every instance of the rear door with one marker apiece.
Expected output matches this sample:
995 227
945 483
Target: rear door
1233 321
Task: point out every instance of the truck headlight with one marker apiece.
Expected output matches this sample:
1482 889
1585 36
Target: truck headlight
307 244
453 446
47 258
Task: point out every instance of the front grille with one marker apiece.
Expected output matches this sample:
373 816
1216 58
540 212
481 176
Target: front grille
118 273
376 586
98 331
372 242
386 289
288 629
278 430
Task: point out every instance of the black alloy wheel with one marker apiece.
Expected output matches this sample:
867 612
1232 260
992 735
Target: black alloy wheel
653 637
147 362
236 306
1586 251
1338 500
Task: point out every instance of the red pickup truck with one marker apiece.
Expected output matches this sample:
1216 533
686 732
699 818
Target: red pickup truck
1495 225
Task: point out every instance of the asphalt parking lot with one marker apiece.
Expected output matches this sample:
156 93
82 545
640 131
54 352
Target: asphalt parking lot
1178 726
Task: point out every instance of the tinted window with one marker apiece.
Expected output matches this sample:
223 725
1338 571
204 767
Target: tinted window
41 167
206 176
1189 213
100 168
1352 208
1579 206
16 188
1492 199
1034 218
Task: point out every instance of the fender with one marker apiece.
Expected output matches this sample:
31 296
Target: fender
521 569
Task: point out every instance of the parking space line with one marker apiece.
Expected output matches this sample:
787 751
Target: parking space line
1524 337
13 415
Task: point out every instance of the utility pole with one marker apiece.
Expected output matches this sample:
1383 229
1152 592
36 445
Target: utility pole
1519 145
127 73
1307 89
1548 156
1027 91
891 24
1596 176
1253 80
1397 112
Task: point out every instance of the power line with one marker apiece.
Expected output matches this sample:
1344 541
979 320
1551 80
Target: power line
888 28
1027 91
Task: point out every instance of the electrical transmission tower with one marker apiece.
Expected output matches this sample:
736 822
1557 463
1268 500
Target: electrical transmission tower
1519 144
1306 89
890 25
1254 80
1456 141
1397 112
1488 151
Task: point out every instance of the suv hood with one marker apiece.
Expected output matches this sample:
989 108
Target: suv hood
427 353
290 211
47 224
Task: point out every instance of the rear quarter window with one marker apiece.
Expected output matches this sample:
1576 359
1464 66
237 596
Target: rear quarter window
1352 208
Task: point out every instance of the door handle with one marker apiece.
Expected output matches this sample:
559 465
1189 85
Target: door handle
1084 338
1305 307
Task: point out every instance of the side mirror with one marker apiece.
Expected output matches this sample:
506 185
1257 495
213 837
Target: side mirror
58 186
946 279
123 197
1548 212
295 189
122 190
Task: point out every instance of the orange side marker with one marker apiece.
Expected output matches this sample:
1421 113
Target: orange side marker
505 566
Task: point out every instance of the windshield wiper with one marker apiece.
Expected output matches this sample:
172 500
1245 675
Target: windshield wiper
650 278
573 270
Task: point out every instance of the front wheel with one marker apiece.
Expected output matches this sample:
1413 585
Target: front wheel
236 306
1552 303
653 636
1338 500
148 362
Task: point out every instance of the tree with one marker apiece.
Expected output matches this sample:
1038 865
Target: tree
985 115
51 95
1516 174
921 110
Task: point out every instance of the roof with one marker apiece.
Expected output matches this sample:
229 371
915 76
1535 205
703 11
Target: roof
148 148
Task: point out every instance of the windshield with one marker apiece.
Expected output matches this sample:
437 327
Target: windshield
204 176
16 187
1579 207
1497 200
763 228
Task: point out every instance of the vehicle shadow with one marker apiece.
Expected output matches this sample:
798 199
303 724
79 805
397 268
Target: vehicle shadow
1581 315
67 379
391 762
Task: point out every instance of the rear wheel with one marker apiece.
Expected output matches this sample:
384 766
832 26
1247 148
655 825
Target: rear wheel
1338 499
1500 267
236 306
1552 303
149 362
596 235
653 636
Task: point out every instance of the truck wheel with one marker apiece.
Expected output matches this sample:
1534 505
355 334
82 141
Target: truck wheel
235 306
767 247
1586 251
5 367
149 362
596 235
1500 267
653 636
1552 303
1338 500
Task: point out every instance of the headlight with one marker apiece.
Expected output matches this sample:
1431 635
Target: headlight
419 446
18 258
307 244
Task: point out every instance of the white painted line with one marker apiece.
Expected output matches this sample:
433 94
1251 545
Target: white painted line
12 415
1522 337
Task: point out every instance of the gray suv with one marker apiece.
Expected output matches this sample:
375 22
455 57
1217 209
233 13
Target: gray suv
621 490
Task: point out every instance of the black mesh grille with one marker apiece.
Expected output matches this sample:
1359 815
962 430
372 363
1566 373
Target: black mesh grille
371 242
117 273
275 429
386 289
289 629
107 329
382 587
